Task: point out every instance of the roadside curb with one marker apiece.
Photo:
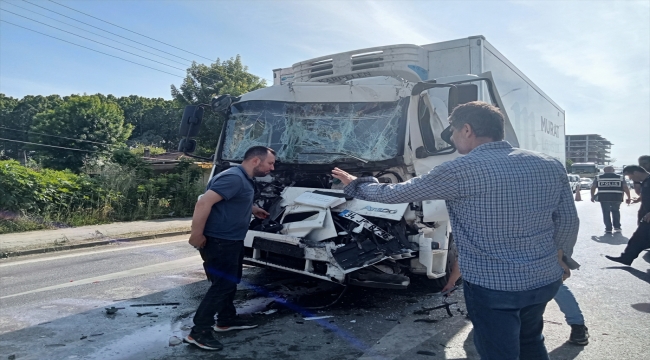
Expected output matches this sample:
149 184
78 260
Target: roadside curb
44 250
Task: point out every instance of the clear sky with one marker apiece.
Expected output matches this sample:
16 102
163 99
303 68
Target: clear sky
590 57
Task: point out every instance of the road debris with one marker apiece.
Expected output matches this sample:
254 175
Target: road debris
144 313
12 357
160 304
318 317
112 310
98 334
429 321
268 312
83 337
353 321
175 340
424 352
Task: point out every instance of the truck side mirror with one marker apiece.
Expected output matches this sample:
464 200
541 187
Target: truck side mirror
187 145
191 121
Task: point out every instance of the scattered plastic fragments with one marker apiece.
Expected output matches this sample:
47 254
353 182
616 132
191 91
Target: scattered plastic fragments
112 310
175 340
318 317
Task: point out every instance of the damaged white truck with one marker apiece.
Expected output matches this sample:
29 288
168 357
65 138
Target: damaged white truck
383 112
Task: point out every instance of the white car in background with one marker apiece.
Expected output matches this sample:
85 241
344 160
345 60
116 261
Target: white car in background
574 182
585 183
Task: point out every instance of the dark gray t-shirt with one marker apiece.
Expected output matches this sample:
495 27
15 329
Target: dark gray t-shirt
230 217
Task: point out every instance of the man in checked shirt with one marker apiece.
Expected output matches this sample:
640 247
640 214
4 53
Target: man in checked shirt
510 240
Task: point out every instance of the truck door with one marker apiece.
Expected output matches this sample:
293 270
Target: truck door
435 102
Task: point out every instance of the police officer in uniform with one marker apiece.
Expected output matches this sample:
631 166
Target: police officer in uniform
640 240
608 190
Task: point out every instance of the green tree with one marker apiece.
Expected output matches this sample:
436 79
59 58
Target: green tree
154 121
94 118
567 164
204 82
19 114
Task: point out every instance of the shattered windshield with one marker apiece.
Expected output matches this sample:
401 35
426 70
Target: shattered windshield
316 133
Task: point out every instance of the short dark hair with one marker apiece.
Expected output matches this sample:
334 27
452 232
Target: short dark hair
486 120
644 158
259 151
628 170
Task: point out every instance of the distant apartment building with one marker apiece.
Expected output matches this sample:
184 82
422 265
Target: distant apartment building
588 148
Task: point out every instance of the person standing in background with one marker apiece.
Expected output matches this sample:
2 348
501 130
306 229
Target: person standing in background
640 240
608 190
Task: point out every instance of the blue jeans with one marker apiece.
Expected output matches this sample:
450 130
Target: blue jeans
613 208
569 306
508 324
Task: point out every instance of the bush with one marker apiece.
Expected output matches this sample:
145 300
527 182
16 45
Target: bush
125 190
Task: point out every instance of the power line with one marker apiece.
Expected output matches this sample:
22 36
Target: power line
96 34
52 146
123 28
85 47
56 136
101 43
112 33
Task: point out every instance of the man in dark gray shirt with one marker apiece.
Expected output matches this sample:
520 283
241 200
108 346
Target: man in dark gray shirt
219 225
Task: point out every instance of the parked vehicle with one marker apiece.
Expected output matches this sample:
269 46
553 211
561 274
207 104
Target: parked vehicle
380 111
585 170
574 182
585 183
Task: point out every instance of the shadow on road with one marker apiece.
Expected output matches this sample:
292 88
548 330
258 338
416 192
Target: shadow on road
612 239
646 257
643 307
645 276
567 351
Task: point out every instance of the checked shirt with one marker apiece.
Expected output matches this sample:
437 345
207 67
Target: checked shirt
511 210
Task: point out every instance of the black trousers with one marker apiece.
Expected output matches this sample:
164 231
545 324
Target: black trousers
222 261
611 213
639 241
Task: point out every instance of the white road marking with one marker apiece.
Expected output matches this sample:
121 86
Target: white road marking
166 266
21 262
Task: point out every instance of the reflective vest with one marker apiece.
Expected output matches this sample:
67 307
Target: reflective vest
610 187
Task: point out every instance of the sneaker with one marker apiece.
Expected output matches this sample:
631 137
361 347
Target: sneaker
579 335
617 229
236 323
205 340
619 259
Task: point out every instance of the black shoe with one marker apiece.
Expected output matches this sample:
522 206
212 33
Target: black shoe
618 229
579 335
235 323
619 259
205 340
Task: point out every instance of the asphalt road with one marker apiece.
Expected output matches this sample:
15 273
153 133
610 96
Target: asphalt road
52 307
